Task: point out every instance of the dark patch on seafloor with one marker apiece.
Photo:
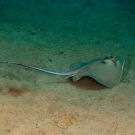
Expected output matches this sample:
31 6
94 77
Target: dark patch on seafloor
87 83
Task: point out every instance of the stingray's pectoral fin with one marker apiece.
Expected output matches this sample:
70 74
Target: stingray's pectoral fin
77 65
71 76
75 78
109 74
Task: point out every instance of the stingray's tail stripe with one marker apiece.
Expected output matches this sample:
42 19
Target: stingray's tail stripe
39 69
48 71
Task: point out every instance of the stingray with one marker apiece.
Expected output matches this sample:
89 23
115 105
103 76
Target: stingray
106 70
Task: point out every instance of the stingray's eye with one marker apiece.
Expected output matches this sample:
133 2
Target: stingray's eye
103 62
110 56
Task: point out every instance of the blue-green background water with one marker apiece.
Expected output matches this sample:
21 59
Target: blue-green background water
56 33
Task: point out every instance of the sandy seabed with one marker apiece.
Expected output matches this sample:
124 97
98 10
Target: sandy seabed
53 35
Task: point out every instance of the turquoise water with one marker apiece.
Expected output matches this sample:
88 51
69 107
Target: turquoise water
90 28
53 34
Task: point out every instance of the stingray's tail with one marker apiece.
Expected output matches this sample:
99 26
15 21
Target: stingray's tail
15 64
40 69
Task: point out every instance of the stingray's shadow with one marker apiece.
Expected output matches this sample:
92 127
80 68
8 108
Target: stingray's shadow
87 83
